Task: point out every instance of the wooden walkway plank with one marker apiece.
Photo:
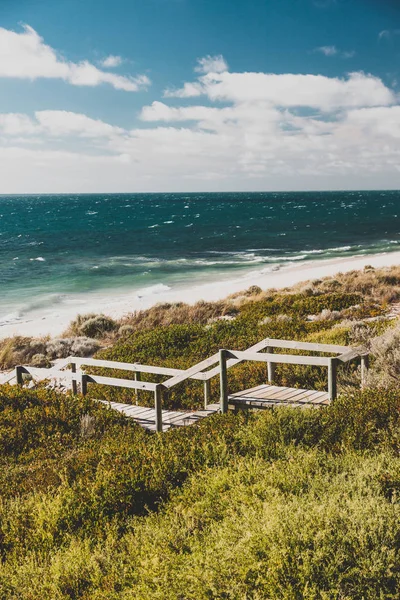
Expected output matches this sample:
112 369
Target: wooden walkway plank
146 417
267 396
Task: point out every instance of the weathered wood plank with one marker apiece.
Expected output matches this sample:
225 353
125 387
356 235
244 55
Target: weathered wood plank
282 358
125 383
268 387
134 367
172 417
223 381
146 417
7 378
364 369
311 346
273 390
265 396
250 390
285 394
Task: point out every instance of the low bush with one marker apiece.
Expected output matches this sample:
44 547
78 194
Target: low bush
20 350
40 360
277 504
257 491
64 347
97 327
386 353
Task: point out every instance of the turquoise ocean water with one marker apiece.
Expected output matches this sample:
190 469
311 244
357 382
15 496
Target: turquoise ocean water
55 246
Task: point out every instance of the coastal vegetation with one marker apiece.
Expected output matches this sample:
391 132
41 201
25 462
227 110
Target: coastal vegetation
282 504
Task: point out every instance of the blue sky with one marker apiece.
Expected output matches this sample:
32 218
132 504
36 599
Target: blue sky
198 95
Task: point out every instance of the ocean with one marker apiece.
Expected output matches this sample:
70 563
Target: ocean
58 249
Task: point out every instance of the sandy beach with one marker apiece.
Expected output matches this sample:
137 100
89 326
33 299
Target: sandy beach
53 320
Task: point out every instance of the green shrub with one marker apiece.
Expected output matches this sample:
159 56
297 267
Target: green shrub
284 503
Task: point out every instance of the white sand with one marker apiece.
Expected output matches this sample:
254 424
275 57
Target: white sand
54 320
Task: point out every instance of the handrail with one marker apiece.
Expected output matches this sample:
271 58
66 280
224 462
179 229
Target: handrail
311 346
224 355
225 358
347 354
42 374
126 383
122 366
291 359
9 377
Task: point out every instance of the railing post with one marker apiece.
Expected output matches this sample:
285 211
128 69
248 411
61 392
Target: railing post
138 377
223 381
158 407
332 378
207 393
19 370
271 367
74 382
364 369
84 383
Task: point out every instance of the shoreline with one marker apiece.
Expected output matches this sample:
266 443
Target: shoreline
53 321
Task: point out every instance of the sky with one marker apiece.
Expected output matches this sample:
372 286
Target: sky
199 95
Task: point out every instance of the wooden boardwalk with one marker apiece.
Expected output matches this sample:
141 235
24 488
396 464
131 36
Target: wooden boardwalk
268 396
146 417
261 396
70 372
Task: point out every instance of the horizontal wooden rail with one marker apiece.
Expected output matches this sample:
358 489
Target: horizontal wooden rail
310 346
41 373
134 367
289 359
125 383
8 378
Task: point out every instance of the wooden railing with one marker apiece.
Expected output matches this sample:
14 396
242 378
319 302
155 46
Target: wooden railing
343 355
224 360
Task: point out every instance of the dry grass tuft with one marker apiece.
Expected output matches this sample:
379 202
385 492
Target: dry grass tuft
179 313
386 352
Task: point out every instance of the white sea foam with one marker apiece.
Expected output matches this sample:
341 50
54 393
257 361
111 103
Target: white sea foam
157 288
39 259
10 318
118 303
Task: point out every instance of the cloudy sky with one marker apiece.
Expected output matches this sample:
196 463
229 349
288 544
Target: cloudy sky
199 95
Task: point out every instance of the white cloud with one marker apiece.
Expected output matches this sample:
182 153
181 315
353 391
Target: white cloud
333 51
245 131
388 34
25 56
17 124
57 123
316 91
111 62
327 50
189 90
385 34
211 64
61 123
